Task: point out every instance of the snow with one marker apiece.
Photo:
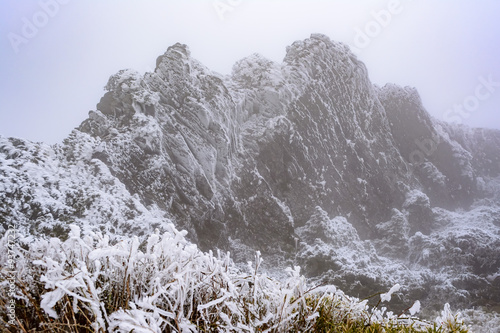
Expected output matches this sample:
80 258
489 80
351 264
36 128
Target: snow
188 130
386 297
169 278
415 308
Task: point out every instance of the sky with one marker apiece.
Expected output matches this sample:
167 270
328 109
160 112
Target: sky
56 55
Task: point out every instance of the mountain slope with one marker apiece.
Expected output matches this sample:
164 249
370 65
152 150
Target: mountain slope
306 161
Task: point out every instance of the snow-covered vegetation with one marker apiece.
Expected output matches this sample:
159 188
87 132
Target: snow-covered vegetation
166 284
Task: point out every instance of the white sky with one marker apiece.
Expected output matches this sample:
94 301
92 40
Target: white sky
57 75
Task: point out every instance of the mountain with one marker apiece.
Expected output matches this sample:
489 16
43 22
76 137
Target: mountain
306 161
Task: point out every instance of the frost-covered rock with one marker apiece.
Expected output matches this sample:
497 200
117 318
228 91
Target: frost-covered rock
442 165
393 236
417 207
243 161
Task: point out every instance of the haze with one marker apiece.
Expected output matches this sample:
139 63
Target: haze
54 74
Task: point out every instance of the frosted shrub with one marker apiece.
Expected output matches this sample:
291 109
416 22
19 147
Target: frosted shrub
165 284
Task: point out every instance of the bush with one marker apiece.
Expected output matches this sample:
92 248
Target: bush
166 284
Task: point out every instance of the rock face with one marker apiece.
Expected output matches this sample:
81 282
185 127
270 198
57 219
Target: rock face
304 160
251 155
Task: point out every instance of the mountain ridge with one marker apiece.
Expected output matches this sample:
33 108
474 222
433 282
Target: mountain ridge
257 159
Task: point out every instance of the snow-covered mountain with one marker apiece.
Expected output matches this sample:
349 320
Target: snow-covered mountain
306 161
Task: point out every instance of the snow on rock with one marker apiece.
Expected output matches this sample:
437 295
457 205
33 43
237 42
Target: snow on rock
304 160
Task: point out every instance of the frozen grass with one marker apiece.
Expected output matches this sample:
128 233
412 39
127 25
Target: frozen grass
166 284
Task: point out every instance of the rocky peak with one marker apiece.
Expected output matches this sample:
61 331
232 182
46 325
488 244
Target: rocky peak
268 158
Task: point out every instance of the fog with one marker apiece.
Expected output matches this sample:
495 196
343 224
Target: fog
56 56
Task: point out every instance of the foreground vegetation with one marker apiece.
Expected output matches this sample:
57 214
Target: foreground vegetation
165 284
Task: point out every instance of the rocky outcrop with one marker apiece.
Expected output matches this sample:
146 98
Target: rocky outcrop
289 159
266 144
